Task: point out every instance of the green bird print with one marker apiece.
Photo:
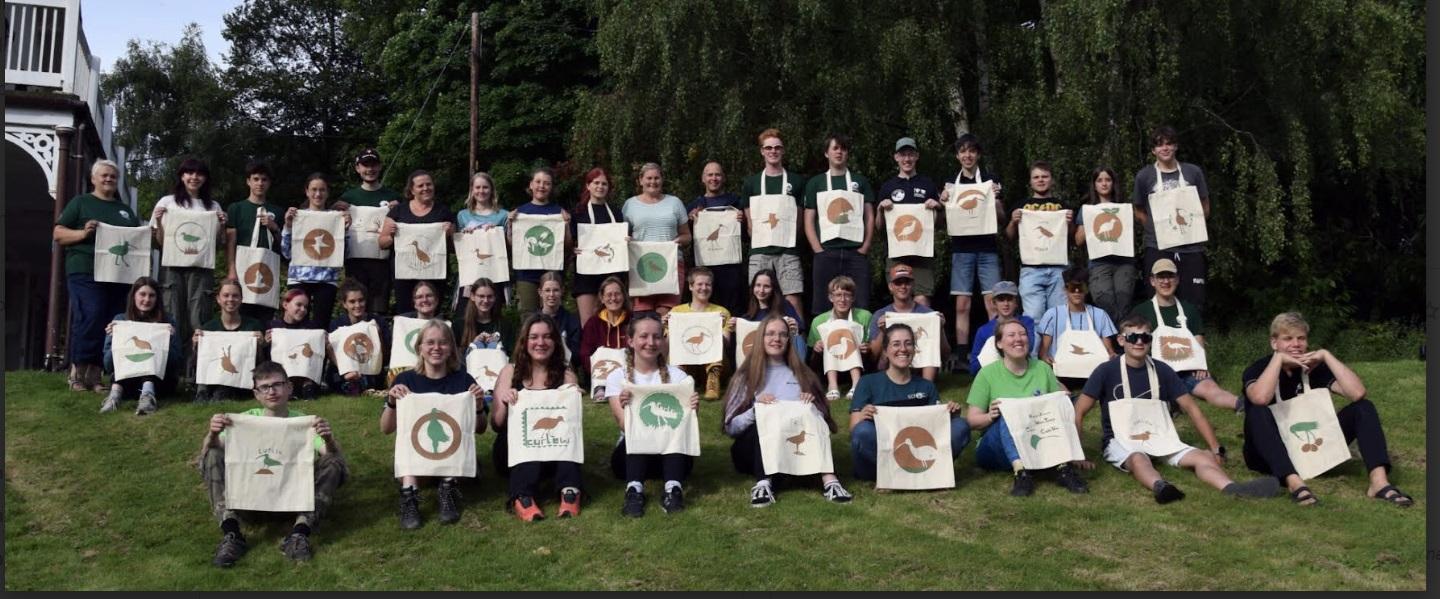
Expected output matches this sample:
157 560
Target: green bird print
436 431
266 463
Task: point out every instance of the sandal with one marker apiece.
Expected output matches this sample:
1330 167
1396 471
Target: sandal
76 379
832 395
1303 495
1394 495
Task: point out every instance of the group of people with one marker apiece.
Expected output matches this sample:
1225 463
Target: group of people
1012 355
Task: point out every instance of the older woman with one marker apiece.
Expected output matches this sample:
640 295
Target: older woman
418 208
92 304
657 216
607 328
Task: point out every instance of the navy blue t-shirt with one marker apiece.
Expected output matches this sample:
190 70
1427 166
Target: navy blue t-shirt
533 276
877 388
1104 385
914 190
975 243
1289 384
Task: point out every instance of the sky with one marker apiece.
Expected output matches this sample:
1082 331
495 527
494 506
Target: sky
110 24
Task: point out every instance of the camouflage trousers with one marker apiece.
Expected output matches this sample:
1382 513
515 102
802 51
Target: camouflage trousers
330 472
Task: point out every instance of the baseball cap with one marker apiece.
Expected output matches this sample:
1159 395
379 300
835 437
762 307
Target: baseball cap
367 155
901 271
905 142
1004 288
1163 265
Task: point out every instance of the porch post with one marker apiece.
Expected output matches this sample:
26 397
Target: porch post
54 360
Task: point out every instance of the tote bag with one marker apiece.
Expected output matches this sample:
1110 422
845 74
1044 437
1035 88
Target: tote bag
794 439
1142 424
538 242
658 420
270 464
139 349
1043 429
603 249
420 252
226 358
1177 213
357 348
300 351
842 344
435 435
546 426
910 230
320 235
1109 230
1310 430
696 338
259 272
927 336
653 268
717 237
122 254
1043 238
773 221
970 209
603 362
484 365
747 334
365 225
482 253
913 448
190 238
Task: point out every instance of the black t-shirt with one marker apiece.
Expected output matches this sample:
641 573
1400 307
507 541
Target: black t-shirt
969 244
455 382
1104 385
914 190
1289 384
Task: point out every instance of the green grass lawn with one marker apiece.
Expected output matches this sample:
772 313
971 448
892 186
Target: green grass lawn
114 501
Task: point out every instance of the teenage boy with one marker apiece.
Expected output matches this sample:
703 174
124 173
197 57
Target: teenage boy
1007 305
973 256
701 282
1182 319
352 301
775 179
842 302
272 390
1074 315
1040 285
901 280
729 279
839 256
376 274
1105 386
910 187
241 218
1189 258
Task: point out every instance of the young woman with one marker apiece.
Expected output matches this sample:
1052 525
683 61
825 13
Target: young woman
187 290
645 365
419 207
438 371
353 304
92 303
527 282
1112 278
593 209
607 327
773 372
144 305
484 327
765 300
227 296
294 314
319 282
482 211
426 301
537 364
552 293
657 216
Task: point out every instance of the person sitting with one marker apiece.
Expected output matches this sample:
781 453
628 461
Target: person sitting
144 305
294 314
765 300
1006 297
1078 316
425 299
607 327
272 390
842 307
901 278
552 297
352 301
1169 316
228 297
485 326
537 363
1290 370
701 283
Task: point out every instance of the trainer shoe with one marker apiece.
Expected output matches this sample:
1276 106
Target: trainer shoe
202 395
111 402
1265 486
673 500
296 547
449 499
1166 492
761 495
569 503
712 383
525 509
147 404
409 508
634 503
1024 485
836 493
232 546
1070 479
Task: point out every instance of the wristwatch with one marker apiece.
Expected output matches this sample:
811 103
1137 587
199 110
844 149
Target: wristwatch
390 403
1220 451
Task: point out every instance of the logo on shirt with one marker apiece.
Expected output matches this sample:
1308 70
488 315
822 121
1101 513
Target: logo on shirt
124 214
854 186
897 196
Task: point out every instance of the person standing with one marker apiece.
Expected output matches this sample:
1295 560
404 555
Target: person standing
729 278
482 211
418 208
592 209
1164 174
188 291
973 256
839 256
1112 278
775 179
657 216
241 218
375 274
319 282
910 187
1040 285
527 282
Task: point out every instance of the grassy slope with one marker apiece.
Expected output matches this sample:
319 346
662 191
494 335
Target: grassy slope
115 502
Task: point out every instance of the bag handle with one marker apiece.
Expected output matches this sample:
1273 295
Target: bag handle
255 230
1150 373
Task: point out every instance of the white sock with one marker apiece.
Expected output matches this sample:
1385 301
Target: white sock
148 386
764 482
671 484
637 485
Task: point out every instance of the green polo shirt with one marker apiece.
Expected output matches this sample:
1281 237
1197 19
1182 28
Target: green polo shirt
318 443
817 184
80 258
775 186
241 216
359 196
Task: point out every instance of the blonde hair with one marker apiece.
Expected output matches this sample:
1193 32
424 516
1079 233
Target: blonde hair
452 362
660 360
472 203
648 166
841 283
1288 322
103 163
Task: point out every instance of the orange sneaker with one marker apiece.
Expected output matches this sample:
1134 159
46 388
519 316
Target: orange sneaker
569 502
526 509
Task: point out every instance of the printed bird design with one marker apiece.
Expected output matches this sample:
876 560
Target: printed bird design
485 371
604 251
226 363
267 462
482 257
839 212
420 254
662 413
773 220
1079 351
436 431
190 238
908 229
695 340
318 245
926 454
969 200
259 279
714 236
547 424
1045 232
121 250
306 351
1109 230
842 347
140 343
1180 218
372 227
797 439
1145 436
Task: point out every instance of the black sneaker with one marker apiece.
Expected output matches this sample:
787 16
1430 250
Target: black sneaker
1070 479
673 500
761 496
1024 484
836 493
634 503
309 391
296 547
449 498
1166 492
1265 486
232 546
202 395
409 508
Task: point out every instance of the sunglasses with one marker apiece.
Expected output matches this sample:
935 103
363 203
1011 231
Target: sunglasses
1138 338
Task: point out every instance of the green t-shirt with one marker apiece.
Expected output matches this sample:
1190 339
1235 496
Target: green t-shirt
861 317
775 186
80 258
246 324
1171 314
995 381
359 196
817 184
318 443
241 217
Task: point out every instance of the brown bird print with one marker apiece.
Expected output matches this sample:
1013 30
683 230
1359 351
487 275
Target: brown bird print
1180 218
226 363
489 373
419 253
1145 436
547 424
773 220
1045 232
1079 351
482 257
694 341
140 343
797 439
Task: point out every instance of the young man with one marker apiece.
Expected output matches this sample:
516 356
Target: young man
842 306
1190 259
376 274
901 280
1289 371
1040 285
973 256
1007 305
701 282
272 390
1074 315
1182 319
241 219
729 279
839 256
775 179
910 187
1105 386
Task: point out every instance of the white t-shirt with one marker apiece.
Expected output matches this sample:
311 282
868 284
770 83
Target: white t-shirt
615 383
169 204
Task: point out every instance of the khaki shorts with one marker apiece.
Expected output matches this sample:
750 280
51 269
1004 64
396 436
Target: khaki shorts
786 266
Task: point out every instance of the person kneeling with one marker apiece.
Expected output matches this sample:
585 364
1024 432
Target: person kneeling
897 386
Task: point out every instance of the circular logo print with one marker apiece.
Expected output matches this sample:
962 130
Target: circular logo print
539 240
1107 226
749 342
190 238
435 424
840 343
259 279
359 347
908 228
651 267
319 244
897 196
839 211
969 200
410 341
661 410
915 450
697 340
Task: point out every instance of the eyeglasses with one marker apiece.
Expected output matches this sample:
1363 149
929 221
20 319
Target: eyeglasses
1138 338
772 148
271 387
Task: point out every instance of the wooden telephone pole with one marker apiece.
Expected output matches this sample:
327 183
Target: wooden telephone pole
474 92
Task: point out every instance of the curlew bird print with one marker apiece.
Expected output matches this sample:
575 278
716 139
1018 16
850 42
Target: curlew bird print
140 343
226 363
420 254
121 250
927 454
797 439
773 220
547 424
1079 351
714 237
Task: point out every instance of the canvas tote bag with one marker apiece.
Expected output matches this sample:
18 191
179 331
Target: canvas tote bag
1043 429
1310 430
546 426
259 270
122 254
913 448
435 435
658 420
270 463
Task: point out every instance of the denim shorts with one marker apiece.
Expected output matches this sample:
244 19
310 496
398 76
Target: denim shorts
964 266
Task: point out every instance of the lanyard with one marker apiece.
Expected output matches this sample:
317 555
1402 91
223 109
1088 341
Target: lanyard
1149 371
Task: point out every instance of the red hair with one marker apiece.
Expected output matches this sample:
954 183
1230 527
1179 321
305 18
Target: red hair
590 175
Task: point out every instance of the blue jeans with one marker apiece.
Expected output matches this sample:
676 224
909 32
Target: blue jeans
965 265
92 306
1041 288
862 444
996 450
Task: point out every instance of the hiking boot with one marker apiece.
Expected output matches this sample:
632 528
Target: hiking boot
449 498
634 503
1166 492
1024 485
219 393
232 546
1070 479
296 547
712 383
569 503
147 404
525 509
111 402
836 493
409 508
1265 486
761 495
202 394
673 500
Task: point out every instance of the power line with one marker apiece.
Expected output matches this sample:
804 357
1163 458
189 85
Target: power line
438 78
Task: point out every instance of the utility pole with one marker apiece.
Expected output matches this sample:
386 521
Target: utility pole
474 92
